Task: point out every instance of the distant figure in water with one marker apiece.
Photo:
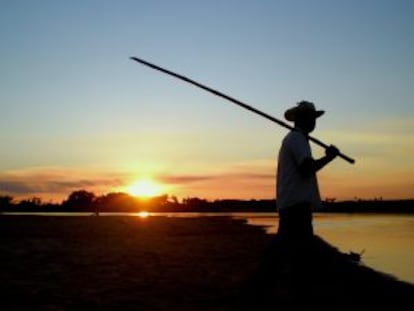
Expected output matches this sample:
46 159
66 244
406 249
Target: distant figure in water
96 211
297 185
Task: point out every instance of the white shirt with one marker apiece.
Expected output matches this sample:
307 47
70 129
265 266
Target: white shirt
291 187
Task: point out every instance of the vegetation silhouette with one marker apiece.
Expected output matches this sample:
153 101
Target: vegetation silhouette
115 202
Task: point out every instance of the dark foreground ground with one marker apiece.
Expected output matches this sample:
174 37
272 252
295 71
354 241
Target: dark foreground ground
157 263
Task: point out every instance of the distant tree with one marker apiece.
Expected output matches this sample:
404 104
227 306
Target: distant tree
195 202
80 199
174 199
117 202
159 201
5 202
30 204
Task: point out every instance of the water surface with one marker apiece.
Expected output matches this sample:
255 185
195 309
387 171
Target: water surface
386 241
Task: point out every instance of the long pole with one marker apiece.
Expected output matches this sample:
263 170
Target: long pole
237 102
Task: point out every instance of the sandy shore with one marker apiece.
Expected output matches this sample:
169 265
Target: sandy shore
124 263
157 263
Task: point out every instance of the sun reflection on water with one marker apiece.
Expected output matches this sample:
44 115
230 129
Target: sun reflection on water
143 214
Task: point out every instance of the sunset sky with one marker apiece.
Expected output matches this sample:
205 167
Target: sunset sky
77 113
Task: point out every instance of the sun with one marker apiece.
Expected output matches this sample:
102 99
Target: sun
144 188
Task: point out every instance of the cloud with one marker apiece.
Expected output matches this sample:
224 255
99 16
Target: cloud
48 186
242 175
184 179
189 179
55 182
15 187
233 184
58 183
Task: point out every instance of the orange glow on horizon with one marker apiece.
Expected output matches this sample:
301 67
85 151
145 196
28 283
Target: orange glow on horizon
144 188
143 214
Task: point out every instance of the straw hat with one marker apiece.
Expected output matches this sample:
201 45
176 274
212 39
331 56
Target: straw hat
303 108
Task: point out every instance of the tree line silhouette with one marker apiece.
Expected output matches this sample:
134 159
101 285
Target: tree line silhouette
86 201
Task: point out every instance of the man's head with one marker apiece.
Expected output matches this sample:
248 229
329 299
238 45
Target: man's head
304 115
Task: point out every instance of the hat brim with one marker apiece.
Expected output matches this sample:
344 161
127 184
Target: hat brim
319 113
292 114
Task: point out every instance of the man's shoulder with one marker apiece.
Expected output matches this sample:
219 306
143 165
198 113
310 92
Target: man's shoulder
295 136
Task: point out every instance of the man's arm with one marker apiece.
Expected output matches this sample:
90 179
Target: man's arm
310 166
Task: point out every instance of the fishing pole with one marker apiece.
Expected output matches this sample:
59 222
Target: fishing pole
237 102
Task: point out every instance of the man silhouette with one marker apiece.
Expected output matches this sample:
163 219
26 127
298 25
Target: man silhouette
297 185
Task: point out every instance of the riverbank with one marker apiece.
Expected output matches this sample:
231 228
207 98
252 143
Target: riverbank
124 263
161 263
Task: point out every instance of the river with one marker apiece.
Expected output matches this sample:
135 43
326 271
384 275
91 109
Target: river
386 241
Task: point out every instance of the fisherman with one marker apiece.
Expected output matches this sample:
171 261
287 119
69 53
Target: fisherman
297 185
